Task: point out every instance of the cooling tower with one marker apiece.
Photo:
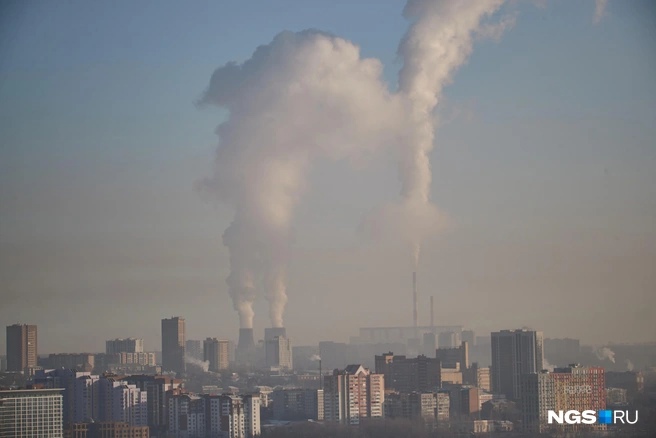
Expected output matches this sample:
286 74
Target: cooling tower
246 340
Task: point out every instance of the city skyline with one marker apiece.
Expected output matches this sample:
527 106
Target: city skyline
542 167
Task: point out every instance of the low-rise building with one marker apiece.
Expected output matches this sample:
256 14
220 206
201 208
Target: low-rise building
74 361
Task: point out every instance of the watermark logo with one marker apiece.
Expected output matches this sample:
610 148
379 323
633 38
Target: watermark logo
606 417
592 417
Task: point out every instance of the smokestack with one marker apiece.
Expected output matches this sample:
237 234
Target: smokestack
432 314
246 340
414 300
414 303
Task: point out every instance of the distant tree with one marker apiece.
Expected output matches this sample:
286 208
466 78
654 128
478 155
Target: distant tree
368 429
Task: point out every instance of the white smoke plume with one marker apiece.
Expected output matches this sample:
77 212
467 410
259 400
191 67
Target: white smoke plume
308 96
600 10
629 365
605 353
438 42
204 364
315 358
546 365
303 97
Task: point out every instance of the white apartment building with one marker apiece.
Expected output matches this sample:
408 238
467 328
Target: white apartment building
223 416
352 394
31 413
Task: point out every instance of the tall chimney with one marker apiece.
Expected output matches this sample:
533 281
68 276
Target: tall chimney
414 300
432 315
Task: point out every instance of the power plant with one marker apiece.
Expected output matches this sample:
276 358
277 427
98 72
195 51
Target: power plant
275 352
245 346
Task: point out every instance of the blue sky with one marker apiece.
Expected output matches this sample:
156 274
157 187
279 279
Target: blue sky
545 162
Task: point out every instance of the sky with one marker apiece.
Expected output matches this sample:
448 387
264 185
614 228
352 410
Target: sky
544 165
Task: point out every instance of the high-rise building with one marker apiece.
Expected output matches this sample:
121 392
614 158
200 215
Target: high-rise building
173 344
297 404
183 412
61 378
450 356
570 388
88 397
156 387
128 345
228 416
421 373
194 348
22 349
278 353
616 397
251 405
272 332
122 402
464 401
478 376
431 407
31 413
352 394
514 353
277 348
83 398
215 352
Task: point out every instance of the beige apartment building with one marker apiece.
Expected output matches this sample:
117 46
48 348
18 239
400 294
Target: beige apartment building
22 348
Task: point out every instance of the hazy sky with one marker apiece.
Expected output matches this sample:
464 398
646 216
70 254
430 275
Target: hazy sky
545 165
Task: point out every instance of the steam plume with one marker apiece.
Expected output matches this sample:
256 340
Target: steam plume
605 353
309 95
203 364
600 10
438 42
304 96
